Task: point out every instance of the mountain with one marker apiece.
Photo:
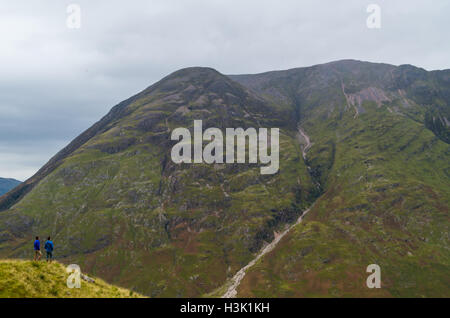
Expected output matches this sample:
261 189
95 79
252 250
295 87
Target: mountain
118 206
7 184
364 145
384 172
27 279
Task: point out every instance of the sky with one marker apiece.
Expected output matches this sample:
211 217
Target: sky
56 80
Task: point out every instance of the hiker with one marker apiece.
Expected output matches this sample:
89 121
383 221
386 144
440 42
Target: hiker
37 249
49 248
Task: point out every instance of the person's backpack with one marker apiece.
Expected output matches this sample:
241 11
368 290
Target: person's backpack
49 246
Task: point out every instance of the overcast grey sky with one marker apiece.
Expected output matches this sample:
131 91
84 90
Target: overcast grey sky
55 82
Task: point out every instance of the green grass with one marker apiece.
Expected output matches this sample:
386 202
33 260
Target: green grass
30 279
386 197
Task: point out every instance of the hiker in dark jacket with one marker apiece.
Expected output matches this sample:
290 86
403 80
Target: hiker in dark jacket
37 249
49 248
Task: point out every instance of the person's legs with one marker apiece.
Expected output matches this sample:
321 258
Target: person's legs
35 255
39 255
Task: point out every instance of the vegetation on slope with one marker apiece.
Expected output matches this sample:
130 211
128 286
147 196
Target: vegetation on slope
29 279
386 201
115 203
120 208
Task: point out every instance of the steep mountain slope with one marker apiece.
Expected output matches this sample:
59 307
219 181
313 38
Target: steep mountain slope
27 279
385 178
386 202
118 206
7 184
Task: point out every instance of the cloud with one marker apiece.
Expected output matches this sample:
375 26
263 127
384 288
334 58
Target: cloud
55 82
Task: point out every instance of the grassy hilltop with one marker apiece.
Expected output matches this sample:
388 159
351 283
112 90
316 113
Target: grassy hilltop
28 279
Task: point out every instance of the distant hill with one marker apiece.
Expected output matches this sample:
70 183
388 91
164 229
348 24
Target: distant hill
7 184
27 279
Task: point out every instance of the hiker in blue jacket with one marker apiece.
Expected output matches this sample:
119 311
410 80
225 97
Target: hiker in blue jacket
37 249
49 248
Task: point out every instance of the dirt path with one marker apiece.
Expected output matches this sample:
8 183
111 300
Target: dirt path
236 280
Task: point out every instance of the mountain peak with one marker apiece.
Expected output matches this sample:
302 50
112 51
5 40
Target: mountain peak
188 77
196 71
197 83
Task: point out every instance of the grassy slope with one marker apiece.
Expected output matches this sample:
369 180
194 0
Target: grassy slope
121 211
386 200
127 214
28 279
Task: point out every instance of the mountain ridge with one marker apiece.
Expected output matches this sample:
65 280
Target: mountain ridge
18 193
376 168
